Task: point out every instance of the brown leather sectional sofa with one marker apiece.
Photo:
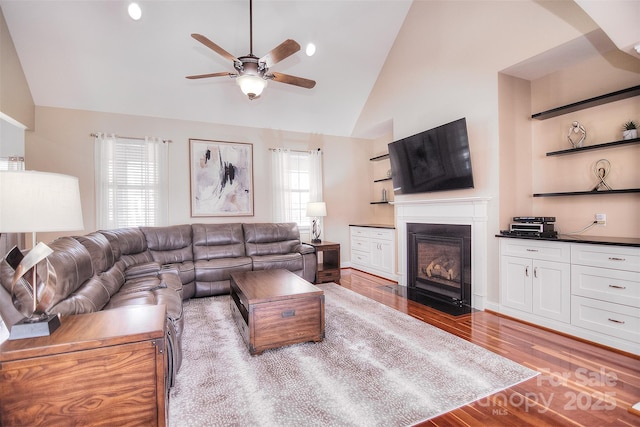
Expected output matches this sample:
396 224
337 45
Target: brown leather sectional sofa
163 265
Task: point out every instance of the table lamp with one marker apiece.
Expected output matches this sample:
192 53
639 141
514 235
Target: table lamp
32 202
316 210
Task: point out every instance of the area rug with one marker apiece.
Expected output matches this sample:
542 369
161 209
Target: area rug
375 367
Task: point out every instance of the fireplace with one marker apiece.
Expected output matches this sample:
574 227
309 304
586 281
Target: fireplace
439 263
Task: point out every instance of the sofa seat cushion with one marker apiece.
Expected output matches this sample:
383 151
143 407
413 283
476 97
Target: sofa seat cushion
185 270
221 269
291 262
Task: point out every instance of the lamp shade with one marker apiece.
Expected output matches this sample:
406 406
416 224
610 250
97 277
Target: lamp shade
251 85
316 209
33 201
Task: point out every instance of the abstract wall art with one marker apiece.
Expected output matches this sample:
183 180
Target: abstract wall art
221 178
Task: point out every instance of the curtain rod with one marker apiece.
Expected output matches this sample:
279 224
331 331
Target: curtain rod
295 151
130 137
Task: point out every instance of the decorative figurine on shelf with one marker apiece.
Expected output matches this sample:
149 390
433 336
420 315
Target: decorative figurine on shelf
601 169
384 194
578 132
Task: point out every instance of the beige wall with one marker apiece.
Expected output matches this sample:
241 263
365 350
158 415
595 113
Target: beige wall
15 96
444 65
62 144
603 124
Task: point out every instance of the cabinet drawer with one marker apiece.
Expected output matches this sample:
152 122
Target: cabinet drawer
622 287
328 275
612 319
549 251
372 233
285 322
359 232
381 234
616 257
361 258
360 244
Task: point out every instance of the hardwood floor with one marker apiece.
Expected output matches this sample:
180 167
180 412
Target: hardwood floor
580 384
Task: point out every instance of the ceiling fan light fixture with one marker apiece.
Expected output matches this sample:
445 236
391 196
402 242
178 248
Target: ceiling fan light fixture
251 85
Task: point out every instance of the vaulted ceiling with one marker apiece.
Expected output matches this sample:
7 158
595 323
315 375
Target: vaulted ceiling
90 55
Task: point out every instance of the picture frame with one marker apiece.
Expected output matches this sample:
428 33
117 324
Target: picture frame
221 178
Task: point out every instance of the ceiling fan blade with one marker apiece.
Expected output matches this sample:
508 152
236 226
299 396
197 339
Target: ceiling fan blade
211 45
293 80
204 76
282 51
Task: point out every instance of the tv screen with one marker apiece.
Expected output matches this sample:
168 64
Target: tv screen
437 159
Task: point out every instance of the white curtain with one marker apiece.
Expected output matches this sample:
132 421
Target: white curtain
281 197
131 182
315 176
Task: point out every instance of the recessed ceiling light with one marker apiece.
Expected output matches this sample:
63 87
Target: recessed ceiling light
134 11
311 49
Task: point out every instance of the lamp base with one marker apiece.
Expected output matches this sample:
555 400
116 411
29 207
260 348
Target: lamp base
35 327
316 241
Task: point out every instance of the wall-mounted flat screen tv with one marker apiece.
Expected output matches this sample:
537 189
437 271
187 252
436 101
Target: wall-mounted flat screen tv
437 159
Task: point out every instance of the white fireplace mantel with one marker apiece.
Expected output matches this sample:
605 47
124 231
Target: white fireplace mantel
466 211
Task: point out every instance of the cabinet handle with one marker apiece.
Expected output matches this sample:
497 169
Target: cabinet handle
616 321
613 258
617 287
535 272
526 271
532 250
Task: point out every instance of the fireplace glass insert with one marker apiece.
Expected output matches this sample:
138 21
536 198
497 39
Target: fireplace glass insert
439 264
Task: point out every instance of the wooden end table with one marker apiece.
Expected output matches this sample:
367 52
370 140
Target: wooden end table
329 269
274 308
99 368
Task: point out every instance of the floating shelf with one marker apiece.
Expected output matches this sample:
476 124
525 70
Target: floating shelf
381 157
588 103
380 203
382 179
594 147
587 193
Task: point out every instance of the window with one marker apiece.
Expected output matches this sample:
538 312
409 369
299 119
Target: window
297 180
131 182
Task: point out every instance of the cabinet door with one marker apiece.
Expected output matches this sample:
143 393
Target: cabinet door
552 290
381 255
516 281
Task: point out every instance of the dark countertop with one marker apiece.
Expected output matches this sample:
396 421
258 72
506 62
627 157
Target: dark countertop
373 226
595 240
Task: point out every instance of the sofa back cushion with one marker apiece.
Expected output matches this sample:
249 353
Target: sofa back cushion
271 238
129 244
100 250
72 264
169 245
214 241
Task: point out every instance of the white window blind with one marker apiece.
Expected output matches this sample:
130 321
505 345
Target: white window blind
297 180
131 182
11 163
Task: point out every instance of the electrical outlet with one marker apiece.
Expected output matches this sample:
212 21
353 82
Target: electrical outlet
601 219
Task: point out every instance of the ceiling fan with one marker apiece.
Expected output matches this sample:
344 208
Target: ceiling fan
252 73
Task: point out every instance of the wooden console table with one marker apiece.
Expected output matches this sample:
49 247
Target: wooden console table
100 368
329 269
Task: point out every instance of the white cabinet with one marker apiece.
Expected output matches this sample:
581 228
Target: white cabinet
373 250
605 288
531 283
591 291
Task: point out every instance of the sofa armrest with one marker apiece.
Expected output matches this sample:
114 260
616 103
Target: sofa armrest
143 269
304 249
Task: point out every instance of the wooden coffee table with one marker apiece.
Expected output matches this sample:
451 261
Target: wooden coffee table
274 308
